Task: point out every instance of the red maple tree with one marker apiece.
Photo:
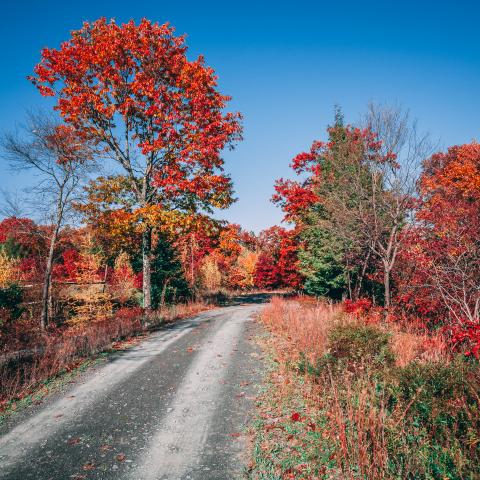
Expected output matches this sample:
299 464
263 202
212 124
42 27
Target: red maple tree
439 271
159 115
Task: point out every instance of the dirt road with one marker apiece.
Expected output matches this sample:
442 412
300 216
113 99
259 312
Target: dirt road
173 407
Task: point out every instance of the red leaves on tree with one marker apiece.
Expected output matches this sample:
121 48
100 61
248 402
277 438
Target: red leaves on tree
288 260
69 267
132 91
23 231
69 145
277 265
267 274
439 270
169 104
294 197
466 337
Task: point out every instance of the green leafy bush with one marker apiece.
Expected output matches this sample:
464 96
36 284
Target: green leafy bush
360 344
439 404
11 298
351 347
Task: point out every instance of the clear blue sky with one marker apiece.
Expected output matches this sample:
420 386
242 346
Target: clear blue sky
286 65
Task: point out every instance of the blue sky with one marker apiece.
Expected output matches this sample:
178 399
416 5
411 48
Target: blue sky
286 65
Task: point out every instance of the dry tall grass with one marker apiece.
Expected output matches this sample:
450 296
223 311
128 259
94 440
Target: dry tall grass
359 423
409 346
66 349
305 324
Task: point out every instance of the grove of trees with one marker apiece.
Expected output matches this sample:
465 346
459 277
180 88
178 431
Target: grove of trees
379 216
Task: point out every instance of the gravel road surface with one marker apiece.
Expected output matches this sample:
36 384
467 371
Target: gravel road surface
173 407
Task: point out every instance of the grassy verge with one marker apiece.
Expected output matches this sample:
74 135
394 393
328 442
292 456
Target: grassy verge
349 398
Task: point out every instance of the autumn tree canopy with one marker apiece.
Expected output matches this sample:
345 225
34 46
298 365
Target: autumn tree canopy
441 267
154 112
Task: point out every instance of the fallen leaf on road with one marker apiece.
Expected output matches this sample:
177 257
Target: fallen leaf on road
89 466
296 417
121 457
105 447
74 441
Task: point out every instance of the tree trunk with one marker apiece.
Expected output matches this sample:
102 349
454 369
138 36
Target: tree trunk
46 298
191 261
349 283
361 276
164 292
386 284
147 268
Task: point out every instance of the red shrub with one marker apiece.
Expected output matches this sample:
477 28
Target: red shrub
466 337
129 313
357 307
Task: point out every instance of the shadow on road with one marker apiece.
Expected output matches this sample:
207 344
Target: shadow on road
248 299
224 300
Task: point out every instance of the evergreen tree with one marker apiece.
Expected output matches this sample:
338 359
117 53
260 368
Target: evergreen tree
321 263
168 280
13 249
333 258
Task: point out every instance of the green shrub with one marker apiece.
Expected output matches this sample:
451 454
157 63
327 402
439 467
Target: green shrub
433 431
11 298
440 397
354 345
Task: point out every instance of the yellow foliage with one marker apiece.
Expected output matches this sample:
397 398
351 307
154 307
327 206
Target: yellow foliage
8 270
123 281
89 305
245 268
211 276
88 300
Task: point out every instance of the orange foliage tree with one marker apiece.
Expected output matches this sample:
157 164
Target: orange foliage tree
439 274
157 114
122 284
